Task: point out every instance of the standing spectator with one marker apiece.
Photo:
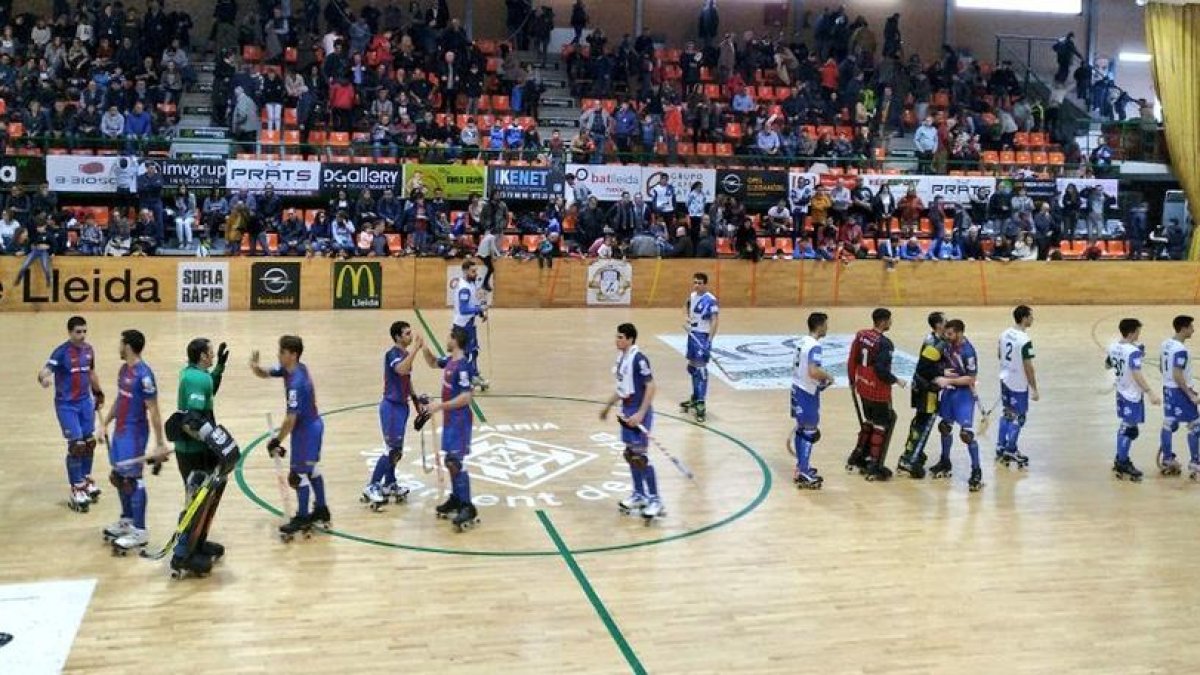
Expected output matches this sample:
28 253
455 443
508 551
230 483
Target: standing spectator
926 141
999 208
495 214
1071 205
597 122
8 232
884 207
842 199
909 209
625 127
662 197
272 95
450 81
1046 232
472 87
149 190
697 205
342 100
1065 52
244 120
1097 202
579 20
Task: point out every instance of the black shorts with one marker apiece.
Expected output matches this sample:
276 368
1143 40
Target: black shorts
196 461
878 412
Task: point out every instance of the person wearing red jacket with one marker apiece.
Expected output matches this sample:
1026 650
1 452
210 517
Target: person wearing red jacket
341 104
870 371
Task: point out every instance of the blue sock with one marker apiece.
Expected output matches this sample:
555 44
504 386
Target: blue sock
318 486
461 486
74 470
1003 434
302 497
1164 441
1014 434
383 469
1123 444
973 450
701 385
137 505
947 441
126 503
85 466
651 481
639 479
1193 441
803 450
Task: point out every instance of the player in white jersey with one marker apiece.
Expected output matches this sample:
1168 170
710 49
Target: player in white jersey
809 379
703 317
1125 358
468 306
1018 385
1179 401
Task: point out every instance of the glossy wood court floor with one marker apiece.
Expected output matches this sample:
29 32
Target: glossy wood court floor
1060 569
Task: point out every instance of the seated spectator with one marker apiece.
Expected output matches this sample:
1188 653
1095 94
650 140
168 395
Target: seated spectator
911 250
804 250
342 235
945 249
8 232
779 219
320 235
91 240
683 246
889 250
768 141
382 138
112 124
293 235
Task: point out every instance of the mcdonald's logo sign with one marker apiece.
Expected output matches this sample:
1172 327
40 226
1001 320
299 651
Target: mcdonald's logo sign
357 285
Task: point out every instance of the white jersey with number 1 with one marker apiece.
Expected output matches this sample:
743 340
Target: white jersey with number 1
808 353
1175 355
1015 349
1126 358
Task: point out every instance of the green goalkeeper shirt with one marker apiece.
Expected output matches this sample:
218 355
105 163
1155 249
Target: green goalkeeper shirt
196 392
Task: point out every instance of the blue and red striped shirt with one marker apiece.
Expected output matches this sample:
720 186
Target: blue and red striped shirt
135 387
72 366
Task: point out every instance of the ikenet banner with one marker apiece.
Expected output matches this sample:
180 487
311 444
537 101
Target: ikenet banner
202 286
456 181
354 177
525 182
294 178
357 285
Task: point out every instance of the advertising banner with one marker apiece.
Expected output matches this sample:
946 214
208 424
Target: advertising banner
287 177
79 173
456 181
610 282
681 178
357 285
21 170
203 286
196 174
606 182
753 187
357 177
275 285
525 182
955 189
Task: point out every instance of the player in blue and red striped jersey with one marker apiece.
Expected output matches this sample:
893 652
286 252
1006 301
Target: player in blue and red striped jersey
304 424
393 414
457 373
77 397
136 414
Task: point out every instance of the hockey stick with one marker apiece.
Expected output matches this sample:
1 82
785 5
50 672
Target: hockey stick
285 500
674 460
184 522
857 405
143 459
711 356
491 364
985 415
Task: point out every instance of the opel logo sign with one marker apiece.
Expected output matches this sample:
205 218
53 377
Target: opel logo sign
731 183
275 280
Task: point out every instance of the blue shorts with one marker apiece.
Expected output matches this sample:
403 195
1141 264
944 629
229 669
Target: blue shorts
393 421
635 438
1131 412
699 348
806 408
456 441
1016 401
1177 406
77 419
306 446
958 407
125 445
472 338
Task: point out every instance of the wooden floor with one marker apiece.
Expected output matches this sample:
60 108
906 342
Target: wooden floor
1062 569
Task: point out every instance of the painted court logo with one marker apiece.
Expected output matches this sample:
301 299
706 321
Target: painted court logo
521 463
750 362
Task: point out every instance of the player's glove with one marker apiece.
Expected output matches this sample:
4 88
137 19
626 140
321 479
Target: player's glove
423 413
156 465
222 354
275 448
99 398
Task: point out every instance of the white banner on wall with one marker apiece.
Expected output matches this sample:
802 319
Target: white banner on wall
203 286
606 182
286 177
610 282
78 173
682 179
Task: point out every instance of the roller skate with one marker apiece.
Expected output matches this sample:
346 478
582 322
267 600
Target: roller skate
197 564
686 406
807 480
117 530
975 482
877 472
654 509
700 412
856 462
1009 457
213 550
1126 470
397 492
134 539
913 465
943 469
449 508
1194 470
320 517
372 496
297 525
632 504
79 500
93 492
467 517
1168 465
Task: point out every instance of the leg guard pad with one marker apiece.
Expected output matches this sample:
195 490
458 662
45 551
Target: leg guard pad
944 428
293 479
395 454
78 448
124 484
1130 431
637 460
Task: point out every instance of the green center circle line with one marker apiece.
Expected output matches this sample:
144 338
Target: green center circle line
764 490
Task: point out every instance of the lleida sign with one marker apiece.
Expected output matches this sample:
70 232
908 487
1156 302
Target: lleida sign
357 285
120 288
203 286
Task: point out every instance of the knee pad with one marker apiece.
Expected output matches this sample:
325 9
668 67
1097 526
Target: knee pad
293 480
811 435
1193 428
944 428
453 465
90 446
1010 415
78 448
637 460
1021 420
1130 431
1172 425
395 453
966 436
124 484
691 369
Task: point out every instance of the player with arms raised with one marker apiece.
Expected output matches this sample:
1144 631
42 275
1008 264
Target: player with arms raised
809 379
1125 358
393 414
1018 385
702 316
1179 400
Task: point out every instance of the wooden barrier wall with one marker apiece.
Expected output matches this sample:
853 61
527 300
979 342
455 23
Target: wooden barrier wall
153 283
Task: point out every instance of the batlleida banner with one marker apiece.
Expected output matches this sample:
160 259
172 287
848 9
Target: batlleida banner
456 181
